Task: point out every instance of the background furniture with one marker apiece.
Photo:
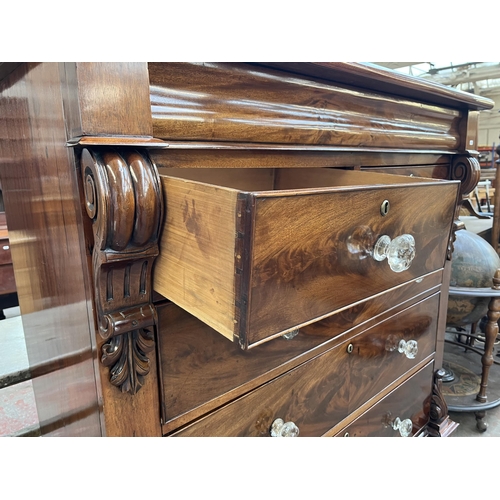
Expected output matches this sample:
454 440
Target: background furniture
299 330
486 397
8 293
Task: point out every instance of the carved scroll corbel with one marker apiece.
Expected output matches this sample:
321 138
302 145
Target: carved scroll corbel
467 170
123 199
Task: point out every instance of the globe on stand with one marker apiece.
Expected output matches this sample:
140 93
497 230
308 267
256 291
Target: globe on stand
473 264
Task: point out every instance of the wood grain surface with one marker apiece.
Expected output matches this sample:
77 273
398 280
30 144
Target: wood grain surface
371 76
410 400
316 394
106 98
312 395
305 251
215 155
202 370
237 102
42 203
195 268
311 254
376 360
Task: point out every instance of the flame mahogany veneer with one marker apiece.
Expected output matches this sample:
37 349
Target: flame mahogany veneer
169 223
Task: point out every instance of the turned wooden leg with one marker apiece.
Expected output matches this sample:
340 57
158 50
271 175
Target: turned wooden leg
480 423
490 337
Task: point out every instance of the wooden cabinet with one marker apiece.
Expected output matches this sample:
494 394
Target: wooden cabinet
236 249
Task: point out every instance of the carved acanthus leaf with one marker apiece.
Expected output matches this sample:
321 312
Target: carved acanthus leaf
127 356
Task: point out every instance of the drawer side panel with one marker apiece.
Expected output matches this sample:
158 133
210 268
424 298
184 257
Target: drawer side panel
195 268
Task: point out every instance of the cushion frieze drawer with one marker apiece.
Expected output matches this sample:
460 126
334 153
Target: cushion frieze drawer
257 254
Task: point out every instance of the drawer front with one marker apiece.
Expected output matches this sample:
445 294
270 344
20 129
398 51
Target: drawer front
321 392
314 396
7 280
5 256
312 255
411 401
202 370
376 357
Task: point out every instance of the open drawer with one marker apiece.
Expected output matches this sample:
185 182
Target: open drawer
256 253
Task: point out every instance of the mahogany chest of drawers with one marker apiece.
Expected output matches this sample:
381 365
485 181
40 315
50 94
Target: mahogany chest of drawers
239 249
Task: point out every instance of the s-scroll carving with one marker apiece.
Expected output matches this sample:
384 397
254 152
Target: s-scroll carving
123 199
440 424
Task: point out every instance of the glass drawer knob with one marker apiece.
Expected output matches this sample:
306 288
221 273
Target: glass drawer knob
403 426
399 252
291 334
279 428
409 349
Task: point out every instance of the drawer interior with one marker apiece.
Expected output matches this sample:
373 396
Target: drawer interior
279 179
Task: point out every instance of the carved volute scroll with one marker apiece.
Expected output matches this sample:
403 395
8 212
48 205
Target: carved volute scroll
467 170
123 199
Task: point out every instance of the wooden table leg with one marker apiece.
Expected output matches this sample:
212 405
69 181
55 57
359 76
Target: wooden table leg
490 337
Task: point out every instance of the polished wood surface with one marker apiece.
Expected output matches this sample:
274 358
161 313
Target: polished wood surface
43 208
43 107
230 155
370 76
222 102
100 369
314 395
202 370
123 200
410 400
106 99
315 267
376 360
322 263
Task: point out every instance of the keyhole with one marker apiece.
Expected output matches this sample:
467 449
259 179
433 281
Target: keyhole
384 208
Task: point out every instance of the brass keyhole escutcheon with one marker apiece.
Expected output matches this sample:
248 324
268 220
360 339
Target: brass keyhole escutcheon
384 208
350 348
